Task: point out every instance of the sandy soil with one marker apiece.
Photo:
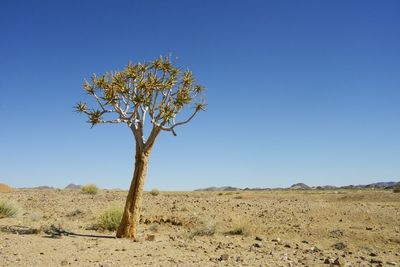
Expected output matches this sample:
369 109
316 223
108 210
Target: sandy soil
273 228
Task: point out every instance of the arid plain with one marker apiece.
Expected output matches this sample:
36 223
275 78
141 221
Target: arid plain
246 228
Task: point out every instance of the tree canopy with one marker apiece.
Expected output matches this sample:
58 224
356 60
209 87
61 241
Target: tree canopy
155 90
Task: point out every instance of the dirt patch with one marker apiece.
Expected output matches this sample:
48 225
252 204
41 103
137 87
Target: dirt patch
265 228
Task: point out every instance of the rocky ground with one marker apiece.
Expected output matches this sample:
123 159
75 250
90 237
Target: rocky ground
266 228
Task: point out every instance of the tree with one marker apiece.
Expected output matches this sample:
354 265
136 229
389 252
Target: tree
155 90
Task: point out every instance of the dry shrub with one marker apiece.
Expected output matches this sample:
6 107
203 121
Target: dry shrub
240 226
154 192
109 219
204 228
154 227
396 190
8 209
90 189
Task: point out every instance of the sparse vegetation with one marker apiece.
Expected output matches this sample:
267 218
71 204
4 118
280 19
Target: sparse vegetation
90 189
240 226
154 227
8 209
204 229
396 190
154 192
109 219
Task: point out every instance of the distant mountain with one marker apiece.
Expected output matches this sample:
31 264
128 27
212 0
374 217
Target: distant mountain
383 185
43 187
379 185
73 186
299 186
222 188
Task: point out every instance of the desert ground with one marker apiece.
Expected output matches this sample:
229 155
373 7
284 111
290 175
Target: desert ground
246 228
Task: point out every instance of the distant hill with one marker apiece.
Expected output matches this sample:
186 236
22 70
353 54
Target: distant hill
222 188
73 186
42 187
5 188
379 185
299 186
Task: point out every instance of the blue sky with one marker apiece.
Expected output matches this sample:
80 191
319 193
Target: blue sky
297 91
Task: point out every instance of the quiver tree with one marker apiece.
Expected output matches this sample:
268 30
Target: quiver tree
153 92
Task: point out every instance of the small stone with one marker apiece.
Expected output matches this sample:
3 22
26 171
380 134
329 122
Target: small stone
223 257
337 262
150 237
259 238
315 249
327 261
304 241
373 254
287 246
375 261
277 240
391 263
369 228
256 245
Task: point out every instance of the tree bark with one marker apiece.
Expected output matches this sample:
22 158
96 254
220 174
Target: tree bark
131 216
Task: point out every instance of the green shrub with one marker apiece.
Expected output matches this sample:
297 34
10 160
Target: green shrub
154 192
8 209
110 219
90 189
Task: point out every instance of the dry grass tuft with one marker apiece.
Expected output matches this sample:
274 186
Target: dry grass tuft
396 190
8 209
240 226
90 189
207 228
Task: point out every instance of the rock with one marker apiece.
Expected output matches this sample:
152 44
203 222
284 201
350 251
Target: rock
375 261
259 238
327 261
315 249
373 254
336 233
150 237
339 246
368 228
287 246
223 257
276 240
256 245
337 262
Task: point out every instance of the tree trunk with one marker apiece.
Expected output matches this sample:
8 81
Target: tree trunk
131 216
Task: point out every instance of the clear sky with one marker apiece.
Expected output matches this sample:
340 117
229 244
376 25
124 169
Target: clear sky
297 91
